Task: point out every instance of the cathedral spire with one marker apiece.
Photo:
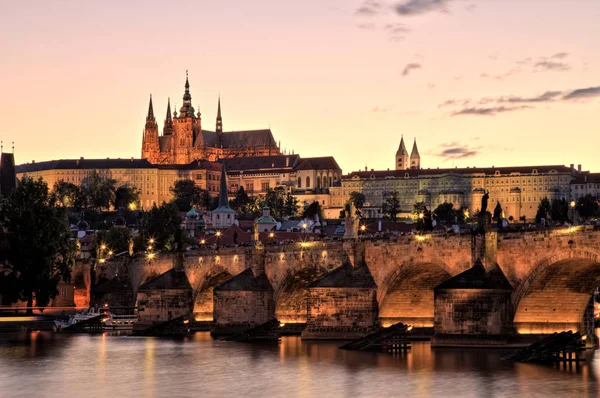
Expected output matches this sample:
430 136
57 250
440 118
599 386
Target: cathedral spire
415 158
223 198
150 116
187 110
219 128
402 148
168 127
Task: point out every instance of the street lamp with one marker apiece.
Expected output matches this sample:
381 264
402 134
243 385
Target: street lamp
271 235
421 217
572 205
363 228
218 235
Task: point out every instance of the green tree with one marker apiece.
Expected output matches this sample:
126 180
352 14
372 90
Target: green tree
187 191
36 247
498 212
587 207
291 205
419 208
358 199
391 205
275 199
100 192
559 210
445 214
543 210
69 195
163 224
313 209
126 196
116 238
461 215
241 201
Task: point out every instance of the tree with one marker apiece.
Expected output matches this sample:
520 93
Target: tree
126 197
559 210
36 246
275 199
187 190
291 205
163 224
313 209
543 210
69 195
461 215
587 207
116 238
100 192
241 201
445 214
391 205
419 208
358 199
498 212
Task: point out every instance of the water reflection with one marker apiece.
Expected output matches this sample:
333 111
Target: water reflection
43 364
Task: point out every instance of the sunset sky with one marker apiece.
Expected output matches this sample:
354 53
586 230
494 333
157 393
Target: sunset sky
477 82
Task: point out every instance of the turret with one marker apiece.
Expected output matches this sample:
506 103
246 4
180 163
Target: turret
219 127
187 110
402 159
415 158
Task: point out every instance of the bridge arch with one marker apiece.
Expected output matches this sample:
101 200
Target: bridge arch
406 295
291 295
203 292
555 295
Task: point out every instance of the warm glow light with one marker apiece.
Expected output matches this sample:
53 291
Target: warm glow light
150 247
110 252
150 256
101 261
305 225
103 247
202 241
281 325
106 304
218 233
420 238
421 215
304 244
151 241
186 321
572 204
271 234
132 206
409 328
363 228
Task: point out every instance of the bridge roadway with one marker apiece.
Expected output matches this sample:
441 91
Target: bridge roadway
553 274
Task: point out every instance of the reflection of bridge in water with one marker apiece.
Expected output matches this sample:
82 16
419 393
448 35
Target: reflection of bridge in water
533 282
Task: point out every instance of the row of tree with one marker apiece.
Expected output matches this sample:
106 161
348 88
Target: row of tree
95 192
587 207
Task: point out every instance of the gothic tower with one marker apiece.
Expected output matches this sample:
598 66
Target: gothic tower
402 160
168 127
219 127
150 145
186 129
415 158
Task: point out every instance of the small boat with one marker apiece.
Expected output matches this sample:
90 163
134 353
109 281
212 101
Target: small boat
84 315
111 321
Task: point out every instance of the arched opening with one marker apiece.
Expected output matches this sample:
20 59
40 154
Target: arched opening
557 297
203 304
409 295
299 182
307 182
291 306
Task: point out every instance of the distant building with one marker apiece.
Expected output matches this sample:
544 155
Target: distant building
8 177
223 216
184 139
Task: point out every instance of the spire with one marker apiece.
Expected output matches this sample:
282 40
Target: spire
415 152
187 110
223 199
219 128
150 116
168 127
402 148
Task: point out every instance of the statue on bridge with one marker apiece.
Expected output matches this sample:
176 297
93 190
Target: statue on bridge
483 213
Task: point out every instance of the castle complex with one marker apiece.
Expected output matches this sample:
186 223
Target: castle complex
183 139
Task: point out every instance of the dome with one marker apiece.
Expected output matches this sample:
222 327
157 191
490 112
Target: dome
120 221
192 213
82 225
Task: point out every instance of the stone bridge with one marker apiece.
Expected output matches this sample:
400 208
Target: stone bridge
552 274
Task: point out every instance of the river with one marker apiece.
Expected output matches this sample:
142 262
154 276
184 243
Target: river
42 364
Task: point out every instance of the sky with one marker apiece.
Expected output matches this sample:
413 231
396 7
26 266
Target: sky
476 82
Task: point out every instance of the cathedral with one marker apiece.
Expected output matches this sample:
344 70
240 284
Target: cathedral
184 140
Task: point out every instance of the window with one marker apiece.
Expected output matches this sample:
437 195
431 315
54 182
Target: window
299 182
198 176
318 182
307 182
250 187
63 292
264 186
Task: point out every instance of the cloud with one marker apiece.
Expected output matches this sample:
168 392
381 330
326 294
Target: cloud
548 96
453 102
370 8
396 28
560 55
410 67
366 26
583 93
417 7
487 111
455 150
552 65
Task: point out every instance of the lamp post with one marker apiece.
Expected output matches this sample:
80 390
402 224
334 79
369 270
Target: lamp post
421 217
218 235
572 205
362 229
304 227
271 236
